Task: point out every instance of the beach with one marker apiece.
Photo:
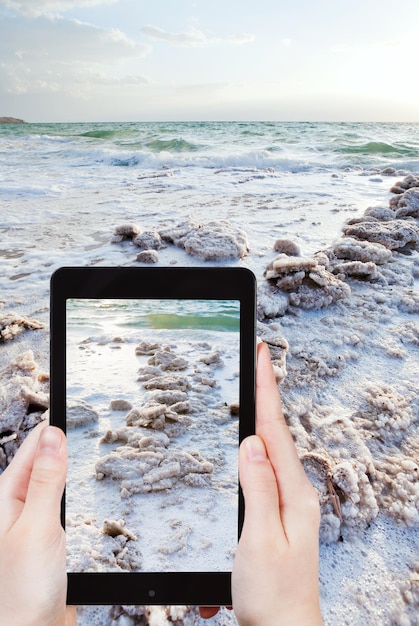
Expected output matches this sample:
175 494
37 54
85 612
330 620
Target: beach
326 216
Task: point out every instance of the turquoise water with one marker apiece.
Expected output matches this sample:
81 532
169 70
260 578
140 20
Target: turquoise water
288 146
214 315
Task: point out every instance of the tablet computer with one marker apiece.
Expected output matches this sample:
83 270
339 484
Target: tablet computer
152 379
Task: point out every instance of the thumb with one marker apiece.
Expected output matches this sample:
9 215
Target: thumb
47 480
260 489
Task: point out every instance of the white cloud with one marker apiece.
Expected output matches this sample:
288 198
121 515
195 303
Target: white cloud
194 37
53 54
35 8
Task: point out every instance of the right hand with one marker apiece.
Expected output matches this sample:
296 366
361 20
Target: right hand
275 573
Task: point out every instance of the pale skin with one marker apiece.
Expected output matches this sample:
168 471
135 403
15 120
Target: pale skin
33 578
275 573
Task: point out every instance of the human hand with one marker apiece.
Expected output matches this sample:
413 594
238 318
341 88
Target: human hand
275 572
33 581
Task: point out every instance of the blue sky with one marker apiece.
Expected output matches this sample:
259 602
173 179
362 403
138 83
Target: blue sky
123 60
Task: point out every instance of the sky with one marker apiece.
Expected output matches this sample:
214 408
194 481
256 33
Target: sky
152 60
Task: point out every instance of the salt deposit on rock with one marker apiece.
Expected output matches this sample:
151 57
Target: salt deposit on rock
149 240
278 347
153 466
12 324
407 205
357 269
125 231
147 256
394 234
168 361
168 381
354 250
120 405
114 528
79 413
145 348
210 242
213 358
271 302
103 549
287 247
161 417
23 402
306 281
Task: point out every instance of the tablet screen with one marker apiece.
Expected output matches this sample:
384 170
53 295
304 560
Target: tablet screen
152 395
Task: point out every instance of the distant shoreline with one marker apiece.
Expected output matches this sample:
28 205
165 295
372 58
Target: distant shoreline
11 120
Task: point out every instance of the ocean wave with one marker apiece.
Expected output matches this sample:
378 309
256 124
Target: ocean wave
99 134
378 148
172 145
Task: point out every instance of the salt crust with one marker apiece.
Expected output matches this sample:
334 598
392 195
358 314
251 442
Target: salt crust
12 324
24 400
384 412
79 413
323 279
210 241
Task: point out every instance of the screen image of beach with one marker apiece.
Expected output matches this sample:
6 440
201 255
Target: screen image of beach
152 421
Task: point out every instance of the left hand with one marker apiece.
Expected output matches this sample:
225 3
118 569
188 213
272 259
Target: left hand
33 580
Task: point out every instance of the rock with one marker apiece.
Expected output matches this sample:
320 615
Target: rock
169 381
114 528
12 324
408 204
354 250
271 302
79 413
147 256
210 242
309 283
212 358
120 405
11 120
149 240
168 361
145 348
320 290
394 234
23 395
287 247
124 232
278 347
357 269
152 466
380 213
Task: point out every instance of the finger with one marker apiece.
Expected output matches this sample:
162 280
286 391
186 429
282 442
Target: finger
71 616
47 479
260 491
271 426
15 479
206 612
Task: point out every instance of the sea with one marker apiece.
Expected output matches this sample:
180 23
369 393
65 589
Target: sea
66 187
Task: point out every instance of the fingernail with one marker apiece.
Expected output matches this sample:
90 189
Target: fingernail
50 440
255 449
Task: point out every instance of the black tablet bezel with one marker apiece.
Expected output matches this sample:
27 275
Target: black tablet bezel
219 283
